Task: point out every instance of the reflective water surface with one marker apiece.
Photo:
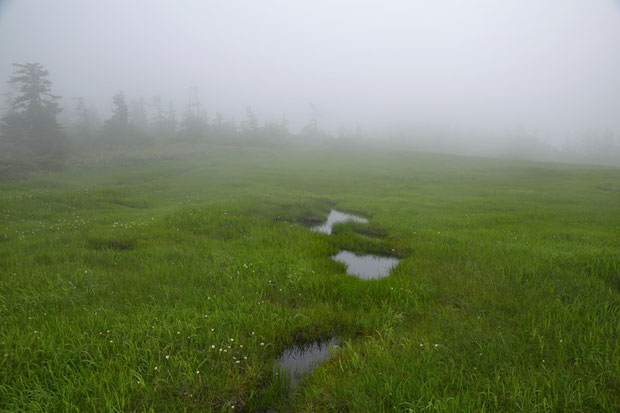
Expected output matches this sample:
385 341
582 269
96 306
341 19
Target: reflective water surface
334 218
366 267
297 361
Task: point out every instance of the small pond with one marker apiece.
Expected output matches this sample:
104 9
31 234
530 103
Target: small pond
336 217
298 361
366 267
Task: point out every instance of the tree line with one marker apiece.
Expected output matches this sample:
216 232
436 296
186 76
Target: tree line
30 127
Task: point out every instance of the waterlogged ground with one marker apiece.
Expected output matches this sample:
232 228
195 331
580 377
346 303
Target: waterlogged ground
295 363
176 286
366 267
336 217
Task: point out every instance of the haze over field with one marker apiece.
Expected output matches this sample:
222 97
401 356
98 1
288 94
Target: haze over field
473 72
309 206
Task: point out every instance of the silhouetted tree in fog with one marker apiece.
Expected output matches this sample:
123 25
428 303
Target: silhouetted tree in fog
218 122
250 124
116 129
82 123
312 127
30 126
12 130
194 124
120 112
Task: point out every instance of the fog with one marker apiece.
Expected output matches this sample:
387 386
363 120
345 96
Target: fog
471 72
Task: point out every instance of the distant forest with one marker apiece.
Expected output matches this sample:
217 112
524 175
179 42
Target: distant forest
30 128
33 138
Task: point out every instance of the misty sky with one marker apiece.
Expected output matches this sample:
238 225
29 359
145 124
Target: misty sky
550 66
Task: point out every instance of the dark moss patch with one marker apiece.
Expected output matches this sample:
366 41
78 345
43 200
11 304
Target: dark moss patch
313 332
309 212
350 241
112 244
138 204
607 187
311 220
368 230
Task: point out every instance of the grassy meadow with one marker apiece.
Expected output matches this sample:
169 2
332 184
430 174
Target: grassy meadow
175 285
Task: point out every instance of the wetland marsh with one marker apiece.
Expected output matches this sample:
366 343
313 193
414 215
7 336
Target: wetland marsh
174 286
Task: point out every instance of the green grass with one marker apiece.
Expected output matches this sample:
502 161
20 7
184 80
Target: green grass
118 285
